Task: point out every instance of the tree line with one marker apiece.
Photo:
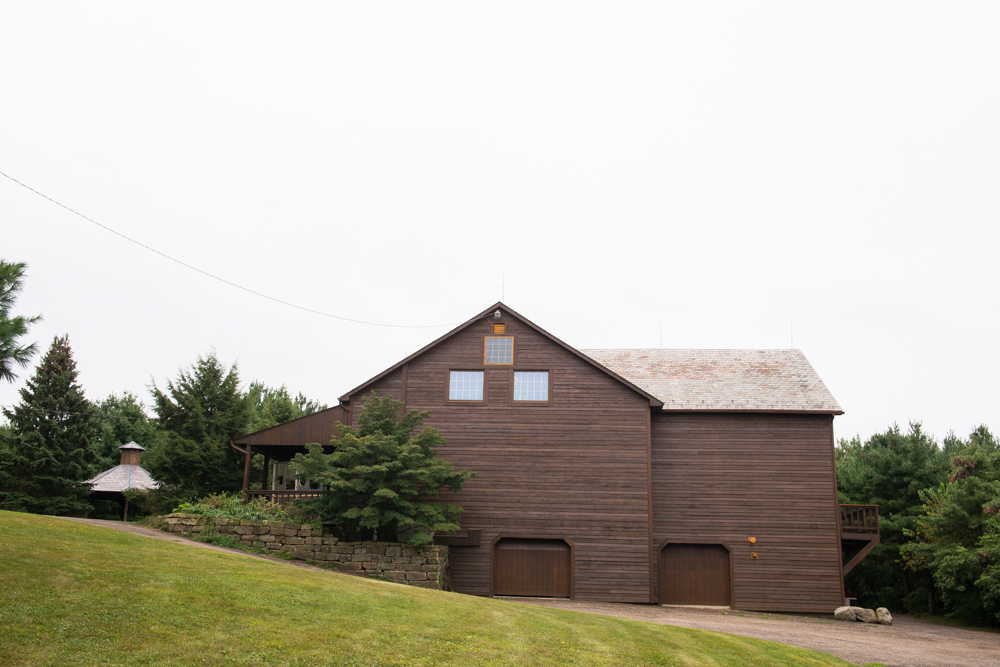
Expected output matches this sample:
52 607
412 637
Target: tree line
56 438
938 511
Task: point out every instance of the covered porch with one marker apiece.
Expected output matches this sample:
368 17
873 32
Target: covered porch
279 445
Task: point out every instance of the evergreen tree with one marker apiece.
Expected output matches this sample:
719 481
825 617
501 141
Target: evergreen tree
890 470
50 448
120 420
12 328
203 412
381 476
955 540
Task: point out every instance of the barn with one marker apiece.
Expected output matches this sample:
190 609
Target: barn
700 477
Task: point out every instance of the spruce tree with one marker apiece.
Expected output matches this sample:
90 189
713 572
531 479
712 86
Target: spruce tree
201 412
50 444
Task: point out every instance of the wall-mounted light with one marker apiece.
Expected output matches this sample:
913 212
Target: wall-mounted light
497 314
751 540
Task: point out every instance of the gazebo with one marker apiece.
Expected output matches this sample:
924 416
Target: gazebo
113 482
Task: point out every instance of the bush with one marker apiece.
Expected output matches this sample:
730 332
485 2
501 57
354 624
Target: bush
231 505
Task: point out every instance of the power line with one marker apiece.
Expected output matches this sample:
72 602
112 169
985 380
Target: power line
223 280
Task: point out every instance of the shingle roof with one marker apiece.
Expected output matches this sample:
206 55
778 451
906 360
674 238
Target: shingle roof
123 477
737 380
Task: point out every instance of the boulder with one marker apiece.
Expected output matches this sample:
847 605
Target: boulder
845 614
864 615
883 616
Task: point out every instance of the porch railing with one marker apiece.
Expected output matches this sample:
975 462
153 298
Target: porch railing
859 519
284 498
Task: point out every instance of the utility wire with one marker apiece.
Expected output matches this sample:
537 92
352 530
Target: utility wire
223 280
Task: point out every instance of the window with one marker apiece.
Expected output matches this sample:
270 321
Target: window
499 350
466 386
531 386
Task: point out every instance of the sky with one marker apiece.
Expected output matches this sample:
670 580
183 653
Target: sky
626 175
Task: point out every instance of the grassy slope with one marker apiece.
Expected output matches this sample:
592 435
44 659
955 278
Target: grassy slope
74 594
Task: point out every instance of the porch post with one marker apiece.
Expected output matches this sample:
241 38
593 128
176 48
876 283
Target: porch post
246 471
263 482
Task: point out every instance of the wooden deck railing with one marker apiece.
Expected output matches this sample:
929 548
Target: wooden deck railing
859 519
284 498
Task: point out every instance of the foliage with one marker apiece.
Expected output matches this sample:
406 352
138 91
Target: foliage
889 470
13 328
49 447
954 541
121 420
203 412
381 476
231 505
271 407
84 595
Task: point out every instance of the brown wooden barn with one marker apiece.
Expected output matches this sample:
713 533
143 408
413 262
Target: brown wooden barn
647 476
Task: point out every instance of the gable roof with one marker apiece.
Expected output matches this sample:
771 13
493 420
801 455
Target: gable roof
653 400
724 380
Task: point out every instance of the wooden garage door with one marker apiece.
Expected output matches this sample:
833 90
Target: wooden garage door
534 568
695 574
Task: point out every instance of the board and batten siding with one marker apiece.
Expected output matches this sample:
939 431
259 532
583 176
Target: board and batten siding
574 468
727 477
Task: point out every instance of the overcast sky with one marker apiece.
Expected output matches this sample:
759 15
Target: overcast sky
722 170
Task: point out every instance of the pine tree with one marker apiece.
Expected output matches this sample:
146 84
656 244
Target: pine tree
50 441
12 328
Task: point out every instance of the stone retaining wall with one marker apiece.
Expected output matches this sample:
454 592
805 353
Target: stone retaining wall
423 566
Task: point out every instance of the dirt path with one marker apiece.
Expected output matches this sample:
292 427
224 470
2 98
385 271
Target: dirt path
907 642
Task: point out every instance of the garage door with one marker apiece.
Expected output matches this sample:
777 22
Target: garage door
695 574
533 568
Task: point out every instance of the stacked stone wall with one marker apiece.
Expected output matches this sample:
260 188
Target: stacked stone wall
423 566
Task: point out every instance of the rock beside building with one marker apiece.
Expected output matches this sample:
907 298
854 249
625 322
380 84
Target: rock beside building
880 615
845 614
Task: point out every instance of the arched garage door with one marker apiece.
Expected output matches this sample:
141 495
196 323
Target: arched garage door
532 568
695 574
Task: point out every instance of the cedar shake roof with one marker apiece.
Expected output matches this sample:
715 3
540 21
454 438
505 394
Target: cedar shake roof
724 380
123 477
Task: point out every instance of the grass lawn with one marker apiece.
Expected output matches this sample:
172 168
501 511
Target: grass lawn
74 594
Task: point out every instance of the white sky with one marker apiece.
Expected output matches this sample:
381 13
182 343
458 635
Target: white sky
722 168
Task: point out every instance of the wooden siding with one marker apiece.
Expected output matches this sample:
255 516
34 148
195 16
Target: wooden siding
574 468
722 478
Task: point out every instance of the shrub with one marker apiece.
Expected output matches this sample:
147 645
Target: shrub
231 505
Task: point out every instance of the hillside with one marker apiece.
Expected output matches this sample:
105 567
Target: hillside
75 594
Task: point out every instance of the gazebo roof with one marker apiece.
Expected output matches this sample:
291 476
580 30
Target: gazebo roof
123 477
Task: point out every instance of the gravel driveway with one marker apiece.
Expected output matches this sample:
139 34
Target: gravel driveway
906 643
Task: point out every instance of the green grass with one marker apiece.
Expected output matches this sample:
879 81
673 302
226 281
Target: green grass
74 594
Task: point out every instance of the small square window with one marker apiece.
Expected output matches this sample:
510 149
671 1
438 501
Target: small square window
531 386
466 386
499 350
